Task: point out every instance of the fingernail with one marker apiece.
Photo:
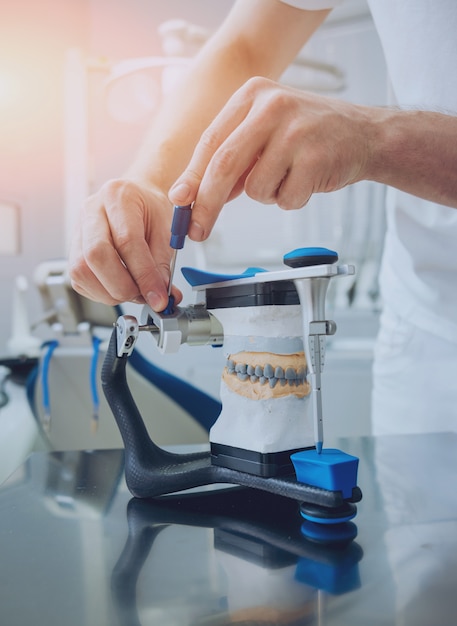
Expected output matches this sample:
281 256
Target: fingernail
180 193
196 232
154 301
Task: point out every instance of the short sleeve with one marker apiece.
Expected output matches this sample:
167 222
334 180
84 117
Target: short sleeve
313 5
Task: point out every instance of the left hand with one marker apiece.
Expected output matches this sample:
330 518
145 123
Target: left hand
277 143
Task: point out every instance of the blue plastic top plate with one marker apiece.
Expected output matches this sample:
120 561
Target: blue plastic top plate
197 277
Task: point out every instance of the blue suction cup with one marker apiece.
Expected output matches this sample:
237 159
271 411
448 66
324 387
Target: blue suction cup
328 516
331 534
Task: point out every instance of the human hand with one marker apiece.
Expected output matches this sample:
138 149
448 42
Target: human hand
279 144
121 249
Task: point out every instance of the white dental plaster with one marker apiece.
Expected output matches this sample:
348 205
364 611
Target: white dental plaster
265 425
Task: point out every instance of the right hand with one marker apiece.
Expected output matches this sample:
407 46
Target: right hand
121 248
280 145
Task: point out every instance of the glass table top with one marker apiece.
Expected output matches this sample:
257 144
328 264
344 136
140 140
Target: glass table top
77 549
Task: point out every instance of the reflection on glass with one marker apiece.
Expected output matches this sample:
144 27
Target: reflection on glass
261 570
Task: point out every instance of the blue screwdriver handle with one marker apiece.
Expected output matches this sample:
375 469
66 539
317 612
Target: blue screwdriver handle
180 226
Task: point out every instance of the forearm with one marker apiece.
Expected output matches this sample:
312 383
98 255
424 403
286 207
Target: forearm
416 152
184 114
258 38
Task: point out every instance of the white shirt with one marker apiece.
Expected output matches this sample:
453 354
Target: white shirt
419 270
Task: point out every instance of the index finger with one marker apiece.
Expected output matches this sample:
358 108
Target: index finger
226 150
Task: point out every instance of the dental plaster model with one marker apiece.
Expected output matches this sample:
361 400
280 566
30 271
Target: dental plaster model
264 391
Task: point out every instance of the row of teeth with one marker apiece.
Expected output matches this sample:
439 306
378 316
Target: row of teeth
268 374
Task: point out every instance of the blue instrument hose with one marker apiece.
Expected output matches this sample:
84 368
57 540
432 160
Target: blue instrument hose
51 346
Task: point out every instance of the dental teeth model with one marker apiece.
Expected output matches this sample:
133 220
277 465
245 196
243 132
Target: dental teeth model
266 369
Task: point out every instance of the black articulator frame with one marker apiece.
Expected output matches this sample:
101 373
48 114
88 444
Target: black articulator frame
152 471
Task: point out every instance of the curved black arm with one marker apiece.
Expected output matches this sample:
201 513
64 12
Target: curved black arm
149 469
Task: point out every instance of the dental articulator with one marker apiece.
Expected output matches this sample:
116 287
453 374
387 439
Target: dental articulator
269 434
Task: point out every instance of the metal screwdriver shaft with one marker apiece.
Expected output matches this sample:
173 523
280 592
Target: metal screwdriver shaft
179 228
